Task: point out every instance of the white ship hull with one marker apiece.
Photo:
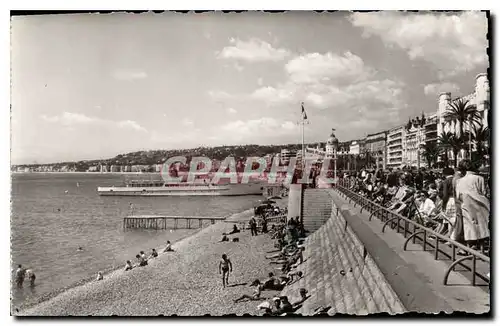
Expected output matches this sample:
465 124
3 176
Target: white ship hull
188 190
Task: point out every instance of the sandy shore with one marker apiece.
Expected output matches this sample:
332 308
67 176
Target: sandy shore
185 282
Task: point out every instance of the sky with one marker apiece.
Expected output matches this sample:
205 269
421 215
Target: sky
91 86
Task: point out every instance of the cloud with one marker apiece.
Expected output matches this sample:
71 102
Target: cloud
70 119
187 122
129 75
231 111
435 89
271 94
254 50
260 81
219 95
315 67
453 43
259 130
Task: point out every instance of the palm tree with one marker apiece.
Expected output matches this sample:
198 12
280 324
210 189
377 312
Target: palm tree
445 141
461 111
481 136
430 152
456 144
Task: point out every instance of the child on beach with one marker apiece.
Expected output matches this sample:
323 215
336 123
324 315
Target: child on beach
256 294
226 267
169 247
142 261
154 254
31 277
128 265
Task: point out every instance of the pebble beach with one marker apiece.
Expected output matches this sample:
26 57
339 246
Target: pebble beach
185 282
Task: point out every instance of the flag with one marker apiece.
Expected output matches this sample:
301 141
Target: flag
304 115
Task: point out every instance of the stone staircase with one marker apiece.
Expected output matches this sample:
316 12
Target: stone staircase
317 208
339 273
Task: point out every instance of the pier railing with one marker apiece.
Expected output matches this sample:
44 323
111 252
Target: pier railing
159 222
417 233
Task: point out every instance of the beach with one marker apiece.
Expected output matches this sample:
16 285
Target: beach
185 282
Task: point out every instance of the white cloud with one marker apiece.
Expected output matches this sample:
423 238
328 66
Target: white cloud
315 67
187 122
271 94
259 129
129 75
260 81
231 111
435 89
253 50
453 43
219 95
70 119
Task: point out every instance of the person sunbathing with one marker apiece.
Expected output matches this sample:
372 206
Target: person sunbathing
154 253
272 283
141 260
169 247
293 276
256 294
128 265
234 230
303 297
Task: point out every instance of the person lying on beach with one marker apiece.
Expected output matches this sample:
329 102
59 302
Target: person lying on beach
255 295
293 276
303 297
169 247
99 277
226 267
234 230
20 275
31 277
224 238
128 265
142 261
154 254
270 283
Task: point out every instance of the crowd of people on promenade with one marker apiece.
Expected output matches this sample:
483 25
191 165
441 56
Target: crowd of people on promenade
289 246
454 202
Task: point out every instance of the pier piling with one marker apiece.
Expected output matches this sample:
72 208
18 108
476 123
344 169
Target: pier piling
159 222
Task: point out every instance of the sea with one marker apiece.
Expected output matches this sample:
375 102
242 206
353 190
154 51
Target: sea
53 214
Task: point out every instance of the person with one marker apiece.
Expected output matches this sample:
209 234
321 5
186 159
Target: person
226 267
303 297
154 253
99 277
20 275
292 276
253 226
142 261
256 294
427 205
128 265
234 230
31 277
168 247
286 306
143 255
474 205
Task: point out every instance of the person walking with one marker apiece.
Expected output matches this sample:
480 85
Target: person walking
474 205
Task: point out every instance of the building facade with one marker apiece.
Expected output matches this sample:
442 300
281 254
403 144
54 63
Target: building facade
395 147
376 146
480 98
413 140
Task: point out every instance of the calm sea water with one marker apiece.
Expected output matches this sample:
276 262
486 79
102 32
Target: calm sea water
54 214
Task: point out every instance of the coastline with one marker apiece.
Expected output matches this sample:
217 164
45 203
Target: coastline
184 282
109 271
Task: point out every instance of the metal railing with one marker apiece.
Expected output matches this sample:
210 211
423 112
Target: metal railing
413 231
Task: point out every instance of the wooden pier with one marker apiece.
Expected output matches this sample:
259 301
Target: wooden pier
159 222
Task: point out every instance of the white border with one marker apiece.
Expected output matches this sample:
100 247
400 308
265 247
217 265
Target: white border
187 5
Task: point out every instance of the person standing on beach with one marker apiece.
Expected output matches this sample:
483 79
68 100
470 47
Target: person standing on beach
31 277
226 267
20 274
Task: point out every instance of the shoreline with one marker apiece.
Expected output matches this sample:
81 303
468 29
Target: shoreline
107 272
184 282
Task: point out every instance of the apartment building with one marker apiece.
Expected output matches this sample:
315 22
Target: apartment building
376 146
395 147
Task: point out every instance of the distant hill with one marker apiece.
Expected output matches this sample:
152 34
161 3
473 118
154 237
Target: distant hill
159 156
